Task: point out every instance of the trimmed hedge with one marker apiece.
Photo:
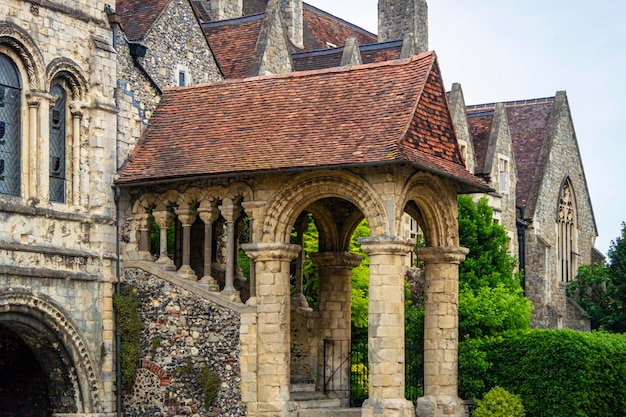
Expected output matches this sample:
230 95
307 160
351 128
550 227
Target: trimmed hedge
555 372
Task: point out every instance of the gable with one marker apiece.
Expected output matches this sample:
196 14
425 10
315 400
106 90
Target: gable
139 15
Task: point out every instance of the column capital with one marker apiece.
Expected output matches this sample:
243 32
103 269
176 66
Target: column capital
386 245
163 218
230 212
442 254
35 98
142 220
208 214
253 208
76 108
186 216
276 251
336 259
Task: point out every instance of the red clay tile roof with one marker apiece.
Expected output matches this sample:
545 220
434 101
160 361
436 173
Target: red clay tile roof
329 58
395 112
528 124
138 16
202 9
233 43
480 122
321 27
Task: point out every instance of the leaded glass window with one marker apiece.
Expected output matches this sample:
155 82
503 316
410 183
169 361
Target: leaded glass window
566 223
10 127
57 145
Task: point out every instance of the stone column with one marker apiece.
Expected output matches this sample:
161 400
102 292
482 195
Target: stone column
77 114
253 210
164 219
208 214
273 332
34 101
230 212
441 332
187 217
386 326
298 300
143 227
335 281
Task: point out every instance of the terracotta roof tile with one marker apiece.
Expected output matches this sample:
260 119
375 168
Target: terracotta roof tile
528 124
233 42
321 27
329 58
138 16
480 128
369 114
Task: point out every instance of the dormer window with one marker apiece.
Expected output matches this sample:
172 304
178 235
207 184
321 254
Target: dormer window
182 77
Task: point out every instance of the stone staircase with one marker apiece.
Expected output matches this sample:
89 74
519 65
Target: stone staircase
307 402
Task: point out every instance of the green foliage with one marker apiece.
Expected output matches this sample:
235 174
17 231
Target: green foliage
488 310
498 402
488 263
155 239
360 278
210 382
557 373
128 322
601 290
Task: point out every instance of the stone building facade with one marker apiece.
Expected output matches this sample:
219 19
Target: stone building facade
125 158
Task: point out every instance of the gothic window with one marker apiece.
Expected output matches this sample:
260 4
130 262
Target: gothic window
566 223
58 145
10 127
503 168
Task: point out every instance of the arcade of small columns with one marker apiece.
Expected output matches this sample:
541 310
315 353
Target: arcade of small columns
265 335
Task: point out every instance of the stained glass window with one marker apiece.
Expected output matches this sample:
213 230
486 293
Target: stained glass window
57 145
10 127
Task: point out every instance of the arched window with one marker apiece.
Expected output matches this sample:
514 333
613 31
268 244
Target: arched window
58 145
10 127
566 224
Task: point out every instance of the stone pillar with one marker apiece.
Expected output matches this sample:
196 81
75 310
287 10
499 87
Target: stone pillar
164 219
335 281
143 228
33 133
291 11
441 332
398 18
187 217
226 9
253 210
298 300
386 326
208 214
273 332
77 114
230 212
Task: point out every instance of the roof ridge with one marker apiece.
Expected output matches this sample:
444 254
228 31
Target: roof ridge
242 19
345 22
300 74
362 48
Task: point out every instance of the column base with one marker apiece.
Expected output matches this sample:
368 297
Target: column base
440 406
231 294
397 407
210 282
166 263
298 301
186 273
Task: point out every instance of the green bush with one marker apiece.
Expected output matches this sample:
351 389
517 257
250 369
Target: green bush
498 402
127 306
557 373
210 382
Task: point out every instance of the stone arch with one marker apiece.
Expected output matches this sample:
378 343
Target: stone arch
19 41
62 346
304 189
436 208
69 71
240 190
326 227
348 229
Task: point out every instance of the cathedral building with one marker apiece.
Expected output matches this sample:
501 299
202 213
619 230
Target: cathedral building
149 147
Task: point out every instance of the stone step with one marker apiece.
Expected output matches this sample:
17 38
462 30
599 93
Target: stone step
330 412
307 395
318 403
302 387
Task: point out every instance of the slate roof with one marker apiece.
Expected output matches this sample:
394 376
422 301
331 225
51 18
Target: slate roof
479 123
528 124
138 16
394 112
233 43
329 58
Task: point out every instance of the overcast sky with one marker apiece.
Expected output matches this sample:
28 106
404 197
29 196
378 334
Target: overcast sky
502 50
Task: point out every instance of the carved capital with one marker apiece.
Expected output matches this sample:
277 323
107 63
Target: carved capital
442 254
143 221
386 245
230 212
208 214
76 108
186 216
262 252
163 218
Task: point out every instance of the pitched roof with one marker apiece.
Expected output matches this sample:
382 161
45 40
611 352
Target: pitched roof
138 16
233 43
528 124
480 128
395 112
329 58
321 28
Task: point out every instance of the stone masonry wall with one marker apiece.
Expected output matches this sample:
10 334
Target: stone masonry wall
182 333
563 161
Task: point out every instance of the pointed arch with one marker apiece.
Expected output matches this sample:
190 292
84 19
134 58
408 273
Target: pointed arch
566 221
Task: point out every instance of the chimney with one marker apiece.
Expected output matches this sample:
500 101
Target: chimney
292 15
226 9
398 18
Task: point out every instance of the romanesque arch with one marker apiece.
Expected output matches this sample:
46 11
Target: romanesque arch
59 347
435 208
19 41
304 189
67 70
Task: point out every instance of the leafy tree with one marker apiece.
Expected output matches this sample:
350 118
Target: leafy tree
601 290
491 299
